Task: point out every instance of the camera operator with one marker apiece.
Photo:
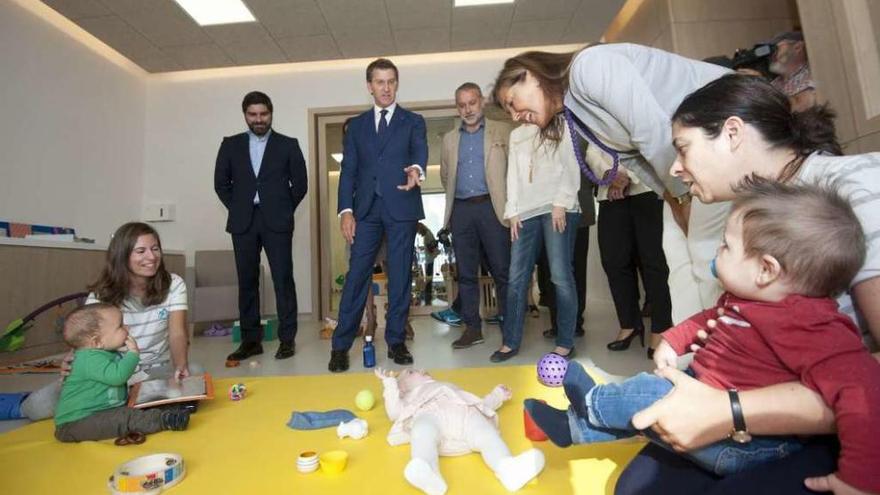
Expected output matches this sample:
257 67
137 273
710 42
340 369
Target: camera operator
789 62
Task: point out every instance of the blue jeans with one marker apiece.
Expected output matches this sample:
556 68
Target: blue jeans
611 408
523 255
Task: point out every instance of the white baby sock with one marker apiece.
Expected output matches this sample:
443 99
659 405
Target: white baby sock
514 472
420 475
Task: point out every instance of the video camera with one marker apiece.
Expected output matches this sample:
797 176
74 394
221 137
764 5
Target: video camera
755 58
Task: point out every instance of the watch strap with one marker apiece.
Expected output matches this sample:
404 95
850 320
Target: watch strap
739 420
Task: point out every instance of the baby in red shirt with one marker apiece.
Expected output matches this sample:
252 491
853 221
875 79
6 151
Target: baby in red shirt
787 250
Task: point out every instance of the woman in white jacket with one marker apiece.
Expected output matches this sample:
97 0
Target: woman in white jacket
542 206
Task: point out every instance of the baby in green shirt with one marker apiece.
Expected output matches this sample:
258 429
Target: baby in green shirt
92 404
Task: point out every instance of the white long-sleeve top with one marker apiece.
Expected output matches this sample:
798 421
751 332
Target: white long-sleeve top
540 175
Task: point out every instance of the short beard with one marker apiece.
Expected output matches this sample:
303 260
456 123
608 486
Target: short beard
251 127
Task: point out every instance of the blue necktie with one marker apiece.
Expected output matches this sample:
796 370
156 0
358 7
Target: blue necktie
383 127
383 124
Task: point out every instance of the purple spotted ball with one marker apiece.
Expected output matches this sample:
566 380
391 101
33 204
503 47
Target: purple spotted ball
551 369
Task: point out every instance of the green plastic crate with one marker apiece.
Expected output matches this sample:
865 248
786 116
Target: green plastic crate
270 330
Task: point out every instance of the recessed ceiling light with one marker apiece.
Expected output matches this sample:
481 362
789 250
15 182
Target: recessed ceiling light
211 12
471 3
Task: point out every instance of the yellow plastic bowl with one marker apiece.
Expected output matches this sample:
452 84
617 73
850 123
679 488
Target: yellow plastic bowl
333 462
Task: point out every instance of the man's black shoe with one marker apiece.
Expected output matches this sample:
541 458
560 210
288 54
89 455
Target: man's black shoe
285 350
338 361
246 350
400 354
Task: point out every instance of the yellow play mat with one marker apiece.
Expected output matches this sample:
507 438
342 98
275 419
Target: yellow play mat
245 447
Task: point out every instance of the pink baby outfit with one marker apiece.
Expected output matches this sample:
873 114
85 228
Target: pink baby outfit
446 402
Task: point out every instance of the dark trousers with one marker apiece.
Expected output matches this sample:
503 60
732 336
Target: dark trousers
475 227
111 423
278 247
369 232
429 282
579 265
657 470
629 228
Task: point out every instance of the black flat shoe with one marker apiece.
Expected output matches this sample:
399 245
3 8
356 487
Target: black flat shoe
338 361
551 333
245 350
623 344
400 354
499 357
285 350
568 356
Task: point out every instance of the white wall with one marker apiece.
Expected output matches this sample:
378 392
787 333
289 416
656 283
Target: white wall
188 114
72 127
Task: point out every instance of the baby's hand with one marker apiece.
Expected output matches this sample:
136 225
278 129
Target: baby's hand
131 345
665 356
505 392
67 363
383 374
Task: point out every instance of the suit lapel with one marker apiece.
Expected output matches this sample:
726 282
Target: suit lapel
453 158
266 153
246 149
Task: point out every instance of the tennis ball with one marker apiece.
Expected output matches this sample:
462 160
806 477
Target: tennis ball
364 400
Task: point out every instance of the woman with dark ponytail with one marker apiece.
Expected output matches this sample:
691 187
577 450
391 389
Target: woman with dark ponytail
733 128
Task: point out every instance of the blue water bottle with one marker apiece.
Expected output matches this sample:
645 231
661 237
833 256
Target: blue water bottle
369 352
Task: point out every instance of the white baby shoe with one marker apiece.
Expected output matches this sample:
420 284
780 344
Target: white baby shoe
356 429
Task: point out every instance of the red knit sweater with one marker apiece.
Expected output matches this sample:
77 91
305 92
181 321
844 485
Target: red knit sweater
755 344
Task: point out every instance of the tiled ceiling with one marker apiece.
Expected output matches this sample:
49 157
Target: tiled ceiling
160 37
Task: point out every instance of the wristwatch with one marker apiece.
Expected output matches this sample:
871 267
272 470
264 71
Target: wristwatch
739 433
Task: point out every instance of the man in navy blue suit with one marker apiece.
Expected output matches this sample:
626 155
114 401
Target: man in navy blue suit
384 155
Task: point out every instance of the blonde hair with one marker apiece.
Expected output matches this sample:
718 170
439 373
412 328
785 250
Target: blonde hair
810 229
84 324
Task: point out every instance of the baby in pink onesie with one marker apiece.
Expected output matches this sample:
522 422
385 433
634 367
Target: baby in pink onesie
438 418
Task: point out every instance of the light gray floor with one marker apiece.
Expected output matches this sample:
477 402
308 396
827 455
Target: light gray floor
431 350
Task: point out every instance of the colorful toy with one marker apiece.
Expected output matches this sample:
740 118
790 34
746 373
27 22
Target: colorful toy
12 338
356 429
551 369
307 462
532 431
365 400
237 391
333 462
